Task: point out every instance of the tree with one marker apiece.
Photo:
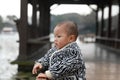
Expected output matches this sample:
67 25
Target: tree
1 23
86 24
13 17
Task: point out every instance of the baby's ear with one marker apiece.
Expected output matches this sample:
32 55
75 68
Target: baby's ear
72 38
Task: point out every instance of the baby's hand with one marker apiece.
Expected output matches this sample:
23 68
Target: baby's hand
36 67
41 76
41 79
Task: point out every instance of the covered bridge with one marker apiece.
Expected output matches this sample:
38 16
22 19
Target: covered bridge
34 37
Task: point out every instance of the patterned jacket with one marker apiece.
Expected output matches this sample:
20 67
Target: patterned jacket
64 64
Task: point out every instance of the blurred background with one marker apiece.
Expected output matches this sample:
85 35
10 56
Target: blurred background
26 28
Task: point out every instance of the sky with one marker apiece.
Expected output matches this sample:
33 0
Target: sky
67 8
12 7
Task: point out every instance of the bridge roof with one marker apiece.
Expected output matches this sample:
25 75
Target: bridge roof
88 2
77 1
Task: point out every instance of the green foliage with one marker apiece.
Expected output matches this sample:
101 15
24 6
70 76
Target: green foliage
9 23
13 17
1 23
86 24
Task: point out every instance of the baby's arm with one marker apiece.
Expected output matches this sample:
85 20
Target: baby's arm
41 76
42 63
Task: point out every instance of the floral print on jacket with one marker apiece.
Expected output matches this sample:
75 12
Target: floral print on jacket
64 64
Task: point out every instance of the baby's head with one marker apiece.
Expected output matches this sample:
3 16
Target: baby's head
65 33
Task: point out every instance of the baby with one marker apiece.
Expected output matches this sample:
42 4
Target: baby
64 61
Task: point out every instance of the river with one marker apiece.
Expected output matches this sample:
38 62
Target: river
8 53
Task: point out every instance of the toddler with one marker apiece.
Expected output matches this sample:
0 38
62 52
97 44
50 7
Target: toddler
64 61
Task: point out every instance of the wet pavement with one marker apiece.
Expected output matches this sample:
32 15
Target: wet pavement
102 71
102 63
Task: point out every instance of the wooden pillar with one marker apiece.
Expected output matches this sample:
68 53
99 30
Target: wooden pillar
118 29
34 19
117 43
102 26
41 16
98 38
97 25
22 29
44 25
97 21
39 25
34 13
46 19
119 26
109 20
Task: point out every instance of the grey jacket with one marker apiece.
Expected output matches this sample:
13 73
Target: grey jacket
64 64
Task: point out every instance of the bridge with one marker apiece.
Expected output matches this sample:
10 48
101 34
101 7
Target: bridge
34 37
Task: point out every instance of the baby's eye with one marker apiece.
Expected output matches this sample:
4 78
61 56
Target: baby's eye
58 36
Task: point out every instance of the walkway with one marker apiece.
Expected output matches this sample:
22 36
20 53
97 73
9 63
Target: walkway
101 63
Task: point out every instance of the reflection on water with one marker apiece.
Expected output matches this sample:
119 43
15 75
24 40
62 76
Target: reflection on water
8 53
101 63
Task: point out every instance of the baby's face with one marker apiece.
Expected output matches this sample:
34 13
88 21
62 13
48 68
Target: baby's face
61 37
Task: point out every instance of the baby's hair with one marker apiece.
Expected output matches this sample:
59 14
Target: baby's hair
71 27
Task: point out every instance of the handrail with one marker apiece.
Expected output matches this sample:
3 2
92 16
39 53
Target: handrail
109 39
39 40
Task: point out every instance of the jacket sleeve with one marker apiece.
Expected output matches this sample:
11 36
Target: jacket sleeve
66 63
45 60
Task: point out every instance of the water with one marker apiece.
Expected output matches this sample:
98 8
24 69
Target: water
101 64
8 53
